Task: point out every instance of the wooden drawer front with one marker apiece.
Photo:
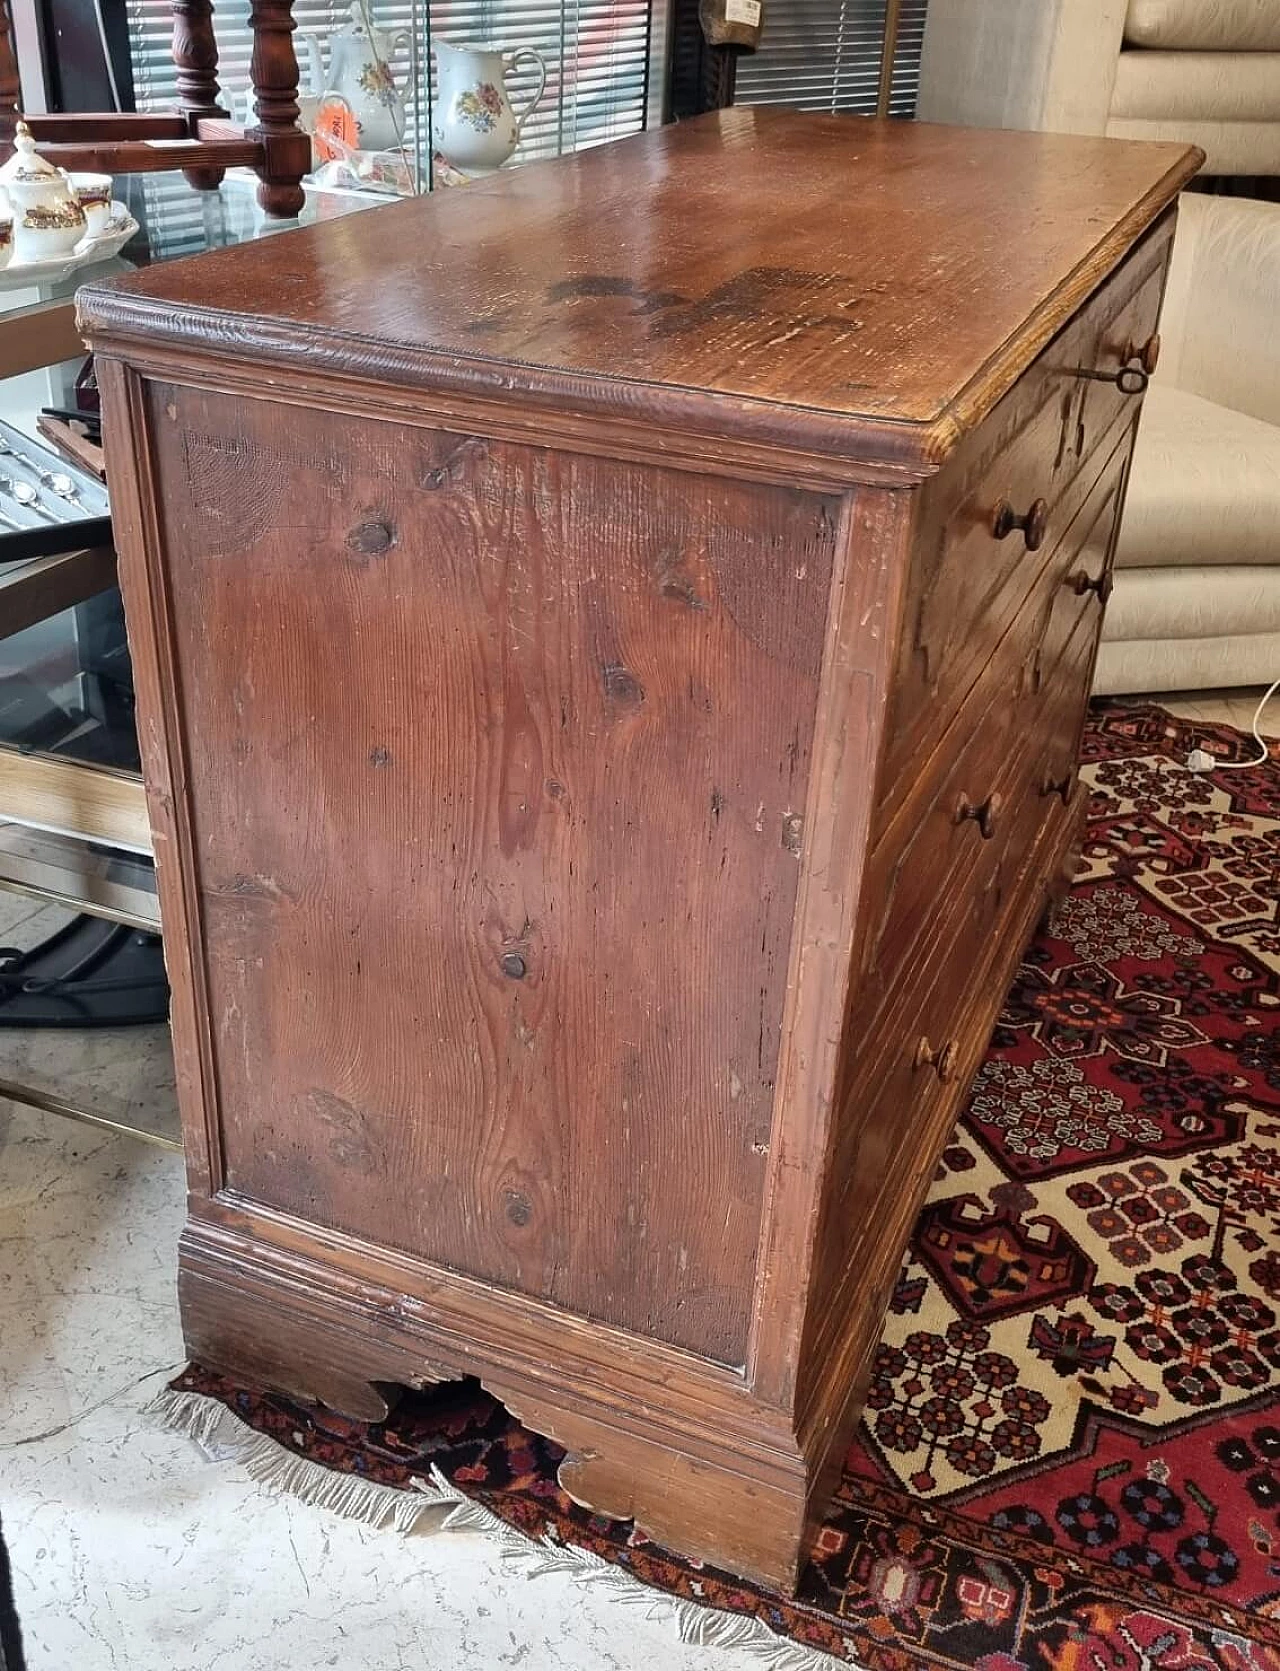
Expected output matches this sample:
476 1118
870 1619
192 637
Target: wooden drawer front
891 1108
947 843
1033 461
947 859
1078 580
1051 765
925 1018
1056 692
920 1047
1117 331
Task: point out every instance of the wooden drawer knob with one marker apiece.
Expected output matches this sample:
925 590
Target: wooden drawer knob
1082 581
983 813
1063 786
1034 524
1147 353
944 1062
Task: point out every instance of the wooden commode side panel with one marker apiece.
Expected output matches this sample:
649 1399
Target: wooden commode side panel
497 759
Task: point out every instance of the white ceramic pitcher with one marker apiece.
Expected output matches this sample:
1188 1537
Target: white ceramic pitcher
360 75
359 69
473 124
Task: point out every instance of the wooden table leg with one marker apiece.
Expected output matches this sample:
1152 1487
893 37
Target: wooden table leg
275 83
195 55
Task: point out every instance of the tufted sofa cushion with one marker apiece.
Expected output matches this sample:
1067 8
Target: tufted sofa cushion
1195 603
1198 86
1204 491
1204 25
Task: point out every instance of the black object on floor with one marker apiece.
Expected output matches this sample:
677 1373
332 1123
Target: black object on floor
89 974
10 1635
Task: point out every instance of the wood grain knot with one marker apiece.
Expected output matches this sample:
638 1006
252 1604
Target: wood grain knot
243 886
371 539
514 965
519 1208
675 581
622 686
441 472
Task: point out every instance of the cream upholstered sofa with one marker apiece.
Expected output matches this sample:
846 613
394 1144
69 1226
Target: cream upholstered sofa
1197 594
1203 71
1197 591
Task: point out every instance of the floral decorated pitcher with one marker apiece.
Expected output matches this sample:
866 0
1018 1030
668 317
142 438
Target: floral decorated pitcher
474 126
359 70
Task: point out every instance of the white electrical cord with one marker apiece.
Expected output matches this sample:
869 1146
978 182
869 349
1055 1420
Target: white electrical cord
1200 760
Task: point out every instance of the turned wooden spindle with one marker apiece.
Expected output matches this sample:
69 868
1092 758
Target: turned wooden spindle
274 70
195 55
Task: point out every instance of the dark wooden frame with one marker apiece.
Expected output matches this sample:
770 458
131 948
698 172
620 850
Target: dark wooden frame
201 139
703 76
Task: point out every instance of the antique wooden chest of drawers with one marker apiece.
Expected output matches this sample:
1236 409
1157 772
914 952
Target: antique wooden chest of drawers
611 646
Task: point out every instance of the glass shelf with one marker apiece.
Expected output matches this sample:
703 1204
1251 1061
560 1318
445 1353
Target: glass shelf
118 1078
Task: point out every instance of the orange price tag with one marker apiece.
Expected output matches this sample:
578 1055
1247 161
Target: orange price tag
336 135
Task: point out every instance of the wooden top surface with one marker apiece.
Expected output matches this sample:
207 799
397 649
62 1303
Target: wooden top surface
839 267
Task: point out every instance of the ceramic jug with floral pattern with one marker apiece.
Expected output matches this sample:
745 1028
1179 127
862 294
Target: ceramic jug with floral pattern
360 71
473 125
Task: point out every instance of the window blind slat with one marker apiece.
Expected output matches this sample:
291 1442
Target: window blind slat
825 55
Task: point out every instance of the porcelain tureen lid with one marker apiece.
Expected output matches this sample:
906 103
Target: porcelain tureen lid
26 167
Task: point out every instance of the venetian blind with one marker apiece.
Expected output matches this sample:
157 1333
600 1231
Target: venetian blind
825 55
597 52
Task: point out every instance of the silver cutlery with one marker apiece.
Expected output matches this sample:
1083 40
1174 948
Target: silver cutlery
13 452
59 482
26 495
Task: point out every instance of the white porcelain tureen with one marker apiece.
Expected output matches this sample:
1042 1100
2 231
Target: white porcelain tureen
47 217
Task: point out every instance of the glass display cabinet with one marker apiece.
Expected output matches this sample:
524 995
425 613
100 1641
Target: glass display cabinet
383 86
77 882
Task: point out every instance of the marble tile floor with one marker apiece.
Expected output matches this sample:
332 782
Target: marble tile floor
131 1551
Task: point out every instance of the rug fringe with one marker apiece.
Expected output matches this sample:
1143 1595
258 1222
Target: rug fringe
221 1434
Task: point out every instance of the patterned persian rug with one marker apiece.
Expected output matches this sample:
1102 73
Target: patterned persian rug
1071 1456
